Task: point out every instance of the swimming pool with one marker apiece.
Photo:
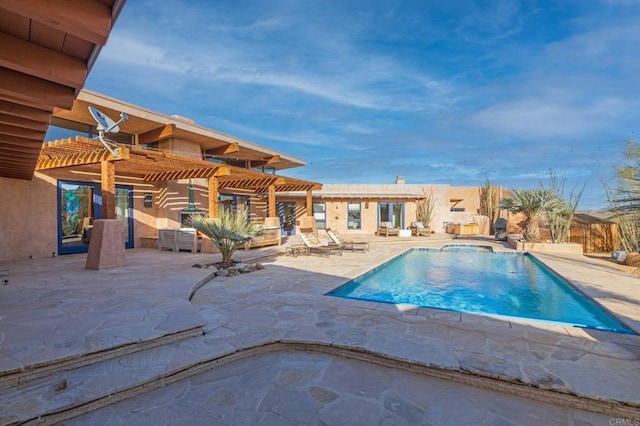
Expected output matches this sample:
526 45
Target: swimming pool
478 281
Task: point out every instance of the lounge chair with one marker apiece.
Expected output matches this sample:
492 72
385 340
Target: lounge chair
387 229
315 245
418 229
347 245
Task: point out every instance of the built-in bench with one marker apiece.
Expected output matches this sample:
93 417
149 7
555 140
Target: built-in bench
270 237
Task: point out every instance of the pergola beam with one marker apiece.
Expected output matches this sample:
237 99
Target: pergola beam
180 174
75 159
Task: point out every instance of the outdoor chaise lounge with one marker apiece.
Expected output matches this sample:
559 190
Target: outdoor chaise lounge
314 245
418 229
387 229
347 245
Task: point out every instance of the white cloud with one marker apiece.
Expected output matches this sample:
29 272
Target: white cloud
133 51
546 117
348 77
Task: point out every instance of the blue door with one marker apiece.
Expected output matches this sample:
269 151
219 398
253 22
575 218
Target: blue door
79 203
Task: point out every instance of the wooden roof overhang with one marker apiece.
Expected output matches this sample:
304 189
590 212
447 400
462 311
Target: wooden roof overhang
157 166
149 126
46 51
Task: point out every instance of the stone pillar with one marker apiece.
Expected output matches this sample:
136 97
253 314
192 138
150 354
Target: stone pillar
106 249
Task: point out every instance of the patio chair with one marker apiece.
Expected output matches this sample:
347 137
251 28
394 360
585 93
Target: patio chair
418 229
315 246
387 229
347 245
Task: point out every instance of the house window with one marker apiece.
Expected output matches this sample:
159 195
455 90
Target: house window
320 213
353 216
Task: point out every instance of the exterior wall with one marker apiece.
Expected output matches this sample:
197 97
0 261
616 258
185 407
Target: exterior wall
28 225
465 197
30 220
336 198
182 147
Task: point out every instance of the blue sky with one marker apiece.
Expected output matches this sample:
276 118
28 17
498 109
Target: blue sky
452 92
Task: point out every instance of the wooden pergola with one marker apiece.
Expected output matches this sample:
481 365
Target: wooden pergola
159 166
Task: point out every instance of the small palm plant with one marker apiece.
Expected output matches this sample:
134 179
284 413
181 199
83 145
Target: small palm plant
229 231
532 203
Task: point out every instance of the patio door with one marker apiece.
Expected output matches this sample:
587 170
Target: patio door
79 203
391 212
287 215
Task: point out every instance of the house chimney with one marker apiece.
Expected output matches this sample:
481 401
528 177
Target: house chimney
399 180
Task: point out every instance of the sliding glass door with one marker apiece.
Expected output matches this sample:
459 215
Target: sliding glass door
79 203
391 212
78 206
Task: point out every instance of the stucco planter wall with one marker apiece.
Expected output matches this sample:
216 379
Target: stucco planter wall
566 248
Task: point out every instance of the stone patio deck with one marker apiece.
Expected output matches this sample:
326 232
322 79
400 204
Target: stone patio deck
127 346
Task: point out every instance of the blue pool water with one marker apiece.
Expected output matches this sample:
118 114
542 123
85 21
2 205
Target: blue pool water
477 281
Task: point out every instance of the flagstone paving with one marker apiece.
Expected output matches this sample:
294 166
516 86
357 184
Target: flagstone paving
273 349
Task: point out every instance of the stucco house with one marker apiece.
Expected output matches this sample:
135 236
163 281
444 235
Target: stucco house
165 168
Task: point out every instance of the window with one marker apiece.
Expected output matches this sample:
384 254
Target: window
320 213
353 215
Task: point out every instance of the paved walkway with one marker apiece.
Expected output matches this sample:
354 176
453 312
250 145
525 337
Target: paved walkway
275 350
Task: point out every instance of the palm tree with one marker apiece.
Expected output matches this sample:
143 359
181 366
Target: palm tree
229 231
532 203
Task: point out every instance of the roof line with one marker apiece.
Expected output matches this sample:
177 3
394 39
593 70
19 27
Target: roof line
180 123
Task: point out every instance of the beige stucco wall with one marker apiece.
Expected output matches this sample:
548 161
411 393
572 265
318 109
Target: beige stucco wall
29 217
337 196
28 224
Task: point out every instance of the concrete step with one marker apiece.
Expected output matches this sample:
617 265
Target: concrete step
57 394
74 344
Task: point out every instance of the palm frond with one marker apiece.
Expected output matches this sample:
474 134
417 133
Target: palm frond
229 231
